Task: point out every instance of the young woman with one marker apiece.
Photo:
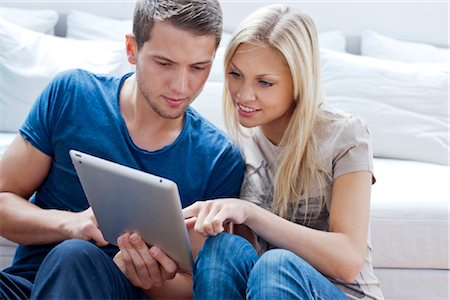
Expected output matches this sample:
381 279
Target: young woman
308 176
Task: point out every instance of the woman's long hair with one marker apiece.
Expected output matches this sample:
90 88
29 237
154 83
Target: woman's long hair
293 33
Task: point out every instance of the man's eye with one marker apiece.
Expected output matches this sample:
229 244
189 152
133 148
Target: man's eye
199 68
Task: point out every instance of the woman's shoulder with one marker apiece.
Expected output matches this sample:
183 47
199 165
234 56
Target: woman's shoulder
338 133
334 123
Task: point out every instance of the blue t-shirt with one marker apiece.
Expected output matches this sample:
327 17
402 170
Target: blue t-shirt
80 110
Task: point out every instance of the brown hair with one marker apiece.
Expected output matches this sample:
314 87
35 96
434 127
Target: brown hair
201 17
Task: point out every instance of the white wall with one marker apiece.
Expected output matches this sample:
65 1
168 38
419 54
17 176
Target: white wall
424 21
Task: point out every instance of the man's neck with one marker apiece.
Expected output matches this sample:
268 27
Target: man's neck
147 128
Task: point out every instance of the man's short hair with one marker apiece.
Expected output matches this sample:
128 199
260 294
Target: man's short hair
201 17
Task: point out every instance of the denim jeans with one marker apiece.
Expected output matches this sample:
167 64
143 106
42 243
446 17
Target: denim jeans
74 269
228 267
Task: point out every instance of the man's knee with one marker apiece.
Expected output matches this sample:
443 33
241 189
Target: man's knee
72 251
75 248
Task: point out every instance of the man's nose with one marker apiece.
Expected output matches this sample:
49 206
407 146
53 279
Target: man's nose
180 82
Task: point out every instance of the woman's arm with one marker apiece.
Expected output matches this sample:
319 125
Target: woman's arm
338 253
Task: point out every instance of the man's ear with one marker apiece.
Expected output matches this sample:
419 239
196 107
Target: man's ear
131 47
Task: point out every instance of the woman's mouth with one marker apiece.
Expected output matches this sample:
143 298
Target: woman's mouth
246 110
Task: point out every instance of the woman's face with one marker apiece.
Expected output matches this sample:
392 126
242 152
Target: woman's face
260 84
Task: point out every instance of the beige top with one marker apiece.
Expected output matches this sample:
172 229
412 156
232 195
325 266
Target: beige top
344 147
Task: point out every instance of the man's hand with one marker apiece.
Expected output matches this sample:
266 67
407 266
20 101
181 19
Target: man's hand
145 268
83 225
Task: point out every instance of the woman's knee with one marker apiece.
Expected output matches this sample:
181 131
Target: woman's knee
222 267
225 251
224 245
282 274
277 261
278 268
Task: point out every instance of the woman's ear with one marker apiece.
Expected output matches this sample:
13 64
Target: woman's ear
131 47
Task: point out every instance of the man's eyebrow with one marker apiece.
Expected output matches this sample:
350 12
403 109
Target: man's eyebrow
209 61
162 58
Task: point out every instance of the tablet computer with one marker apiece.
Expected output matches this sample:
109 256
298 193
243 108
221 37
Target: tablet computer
128 200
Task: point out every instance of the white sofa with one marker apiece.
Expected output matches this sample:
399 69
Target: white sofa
405 104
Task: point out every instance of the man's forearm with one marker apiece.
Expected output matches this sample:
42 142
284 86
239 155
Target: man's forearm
25 223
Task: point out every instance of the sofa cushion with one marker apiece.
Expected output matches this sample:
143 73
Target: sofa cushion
380 46
410 215
29 60
414 284
85 26
39 20
405 104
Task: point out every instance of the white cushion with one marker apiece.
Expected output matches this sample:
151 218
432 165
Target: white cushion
410 218
376 45
332 40
29 60
209 103
86 26
7 250
40 20
404 104
6 138
414 284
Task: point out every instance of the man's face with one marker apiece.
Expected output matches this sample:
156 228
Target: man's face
172 67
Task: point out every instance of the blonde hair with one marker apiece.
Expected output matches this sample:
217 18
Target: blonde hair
293 33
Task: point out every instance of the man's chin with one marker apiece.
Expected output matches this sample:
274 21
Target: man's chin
172 115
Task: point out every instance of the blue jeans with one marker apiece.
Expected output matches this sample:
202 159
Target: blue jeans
228 267
74 269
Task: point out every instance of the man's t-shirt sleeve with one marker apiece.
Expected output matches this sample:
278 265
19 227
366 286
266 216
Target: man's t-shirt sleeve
43 116
227 174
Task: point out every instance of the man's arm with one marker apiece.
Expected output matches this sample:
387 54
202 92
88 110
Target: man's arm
23 168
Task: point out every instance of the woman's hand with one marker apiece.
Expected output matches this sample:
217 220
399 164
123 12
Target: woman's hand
145 268
212 214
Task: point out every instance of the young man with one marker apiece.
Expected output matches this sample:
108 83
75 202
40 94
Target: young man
142 120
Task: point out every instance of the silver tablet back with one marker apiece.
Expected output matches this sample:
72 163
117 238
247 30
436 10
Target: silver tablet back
128 200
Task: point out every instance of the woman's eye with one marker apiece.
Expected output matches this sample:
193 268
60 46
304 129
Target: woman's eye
235 74
265 83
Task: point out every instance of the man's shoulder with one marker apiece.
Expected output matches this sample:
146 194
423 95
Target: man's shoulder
203 125
209 135
80 76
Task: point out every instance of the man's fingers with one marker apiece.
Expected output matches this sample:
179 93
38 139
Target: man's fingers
129 270
146 267
168 266
97 236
